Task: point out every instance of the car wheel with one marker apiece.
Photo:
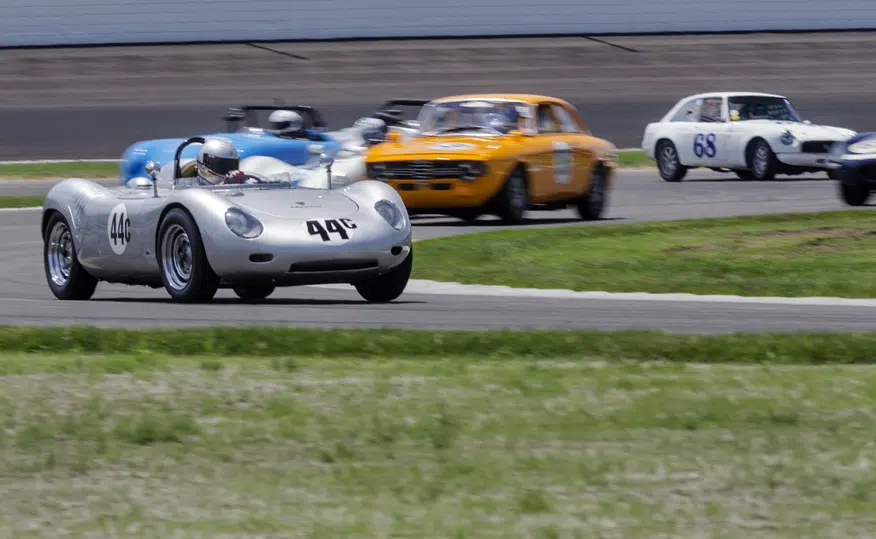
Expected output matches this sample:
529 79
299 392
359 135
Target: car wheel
762 161
185 271
744 175
671 169
853 193
66 277
254 292
466 214
514 198
591 205
390 285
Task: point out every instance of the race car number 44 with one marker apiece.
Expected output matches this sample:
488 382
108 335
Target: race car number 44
118 228
331 230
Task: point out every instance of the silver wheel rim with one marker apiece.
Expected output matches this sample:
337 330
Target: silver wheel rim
760 160
517 192
668 160
60 254
176 257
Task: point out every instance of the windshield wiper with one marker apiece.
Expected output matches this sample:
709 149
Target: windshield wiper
461 128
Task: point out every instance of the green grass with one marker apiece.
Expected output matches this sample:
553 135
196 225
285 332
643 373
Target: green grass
40 171
779 348
21 201
151 445
627 159
811 254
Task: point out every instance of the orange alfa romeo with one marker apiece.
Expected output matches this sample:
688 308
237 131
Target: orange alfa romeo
497 154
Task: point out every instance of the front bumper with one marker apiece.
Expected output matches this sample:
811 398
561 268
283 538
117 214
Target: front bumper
805 160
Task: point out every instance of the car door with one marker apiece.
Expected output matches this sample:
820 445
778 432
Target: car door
555 156
708 141
573 138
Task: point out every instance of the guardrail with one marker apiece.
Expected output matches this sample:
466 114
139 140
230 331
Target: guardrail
74 22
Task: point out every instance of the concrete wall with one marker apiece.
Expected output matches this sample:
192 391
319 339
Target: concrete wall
68 22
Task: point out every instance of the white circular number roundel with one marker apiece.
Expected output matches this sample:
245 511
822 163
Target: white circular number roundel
562 162
118 229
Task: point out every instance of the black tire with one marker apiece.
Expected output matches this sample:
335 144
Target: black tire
671 169
195 283
389 286
853 194
466 214
254 292
762 161
746 175
513 200
591 205
66 277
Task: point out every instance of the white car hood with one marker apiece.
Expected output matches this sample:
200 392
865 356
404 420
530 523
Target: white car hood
803 131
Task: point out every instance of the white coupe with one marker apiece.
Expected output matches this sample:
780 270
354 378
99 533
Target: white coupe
752 134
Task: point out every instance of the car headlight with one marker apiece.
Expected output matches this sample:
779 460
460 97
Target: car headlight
864 146
391 213
471 170
787 138
376 171
243 224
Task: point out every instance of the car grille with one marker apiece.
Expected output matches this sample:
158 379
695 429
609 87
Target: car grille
422 169
816 146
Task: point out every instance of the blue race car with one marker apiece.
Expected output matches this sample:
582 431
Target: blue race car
853 163
295 144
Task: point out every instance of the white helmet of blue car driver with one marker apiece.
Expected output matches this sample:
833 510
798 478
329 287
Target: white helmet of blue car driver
285 121
216 159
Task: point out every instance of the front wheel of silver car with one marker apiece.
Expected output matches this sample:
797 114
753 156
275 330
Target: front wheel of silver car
390 285
254 292
762 161
66 277
185 270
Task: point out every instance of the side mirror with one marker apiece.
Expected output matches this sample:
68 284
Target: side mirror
326 160
393 136
515 133
153 168
807 122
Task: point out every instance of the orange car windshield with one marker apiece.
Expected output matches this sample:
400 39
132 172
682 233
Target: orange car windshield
471 117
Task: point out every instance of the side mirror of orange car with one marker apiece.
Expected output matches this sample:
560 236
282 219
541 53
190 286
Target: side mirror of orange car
515 133
393 136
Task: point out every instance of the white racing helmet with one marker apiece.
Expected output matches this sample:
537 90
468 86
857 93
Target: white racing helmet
282 122
216 159
373 130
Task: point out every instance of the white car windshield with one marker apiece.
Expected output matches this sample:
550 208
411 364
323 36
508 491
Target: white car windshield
482 116
757 107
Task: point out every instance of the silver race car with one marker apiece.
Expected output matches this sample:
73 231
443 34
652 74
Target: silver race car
252 237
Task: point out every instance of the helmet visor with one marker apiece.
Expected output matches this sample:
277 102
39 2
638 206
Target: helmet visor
220 165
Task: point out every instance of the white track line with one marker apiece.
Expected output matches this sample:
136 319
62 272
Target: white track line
418 286
31 208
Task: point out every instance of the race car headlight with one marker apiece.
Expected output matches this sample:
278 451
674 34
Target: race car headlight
787 138
471 170
864 146
391 213
243 224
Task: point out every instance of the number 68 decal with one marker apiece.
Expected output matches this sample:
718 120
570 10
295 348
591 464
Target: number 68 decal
705 145
327 228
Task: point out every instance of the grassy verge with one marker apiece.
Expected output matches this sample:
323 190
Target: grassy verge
811 254
21 201
40 171
119 445
779 348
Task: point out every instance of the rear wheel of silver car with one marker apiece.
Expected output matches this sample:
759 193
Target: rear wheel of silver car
762 161
671 169
254 292
390 285
66 277
514 198
185 271
591 205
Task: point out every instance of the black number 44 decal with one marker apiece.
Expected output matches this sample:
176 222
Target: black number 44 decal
330 226
120 230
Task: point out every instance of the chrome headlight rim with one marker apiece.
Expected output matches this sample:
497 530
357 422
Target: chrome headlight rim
391 213
862 146
243 224
787 138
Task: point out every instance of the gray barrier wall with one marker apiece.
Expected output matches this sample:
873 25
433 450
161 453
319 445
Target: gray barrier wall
70 22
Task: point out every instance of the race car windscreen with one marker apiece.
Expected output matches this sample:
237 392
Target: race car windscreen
482 116
761 108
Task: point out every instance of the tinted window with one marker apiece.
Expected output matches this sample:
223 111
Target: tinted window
684 114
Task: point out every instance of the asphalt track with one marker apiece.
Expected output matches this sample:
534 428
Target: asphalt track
91 103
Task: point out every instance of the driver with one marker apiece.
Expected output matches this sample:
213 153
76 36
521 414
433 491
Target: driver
373 130
289 124
218 162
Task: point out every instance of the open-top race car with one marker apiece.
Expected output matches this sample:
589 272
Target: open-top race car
754 135
854 166
218 227
295 133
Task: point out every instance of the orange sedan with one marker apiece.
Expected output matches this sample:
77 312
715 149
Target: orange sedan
497 154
